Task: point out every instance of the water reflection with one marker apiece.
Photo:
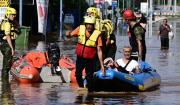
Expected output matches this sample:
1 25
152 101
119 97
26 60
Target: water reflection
105 98
7 97
27 93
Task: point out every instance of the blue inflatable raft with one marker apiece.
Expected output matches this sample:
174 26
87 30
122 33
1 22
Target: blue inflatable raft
116 81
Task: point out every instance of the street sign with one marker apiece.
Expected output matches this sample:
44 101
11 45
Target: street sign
150 12
117 9
109 2
98 1
99 5
106 4
166 9
4 4
115 4
163 10
144 7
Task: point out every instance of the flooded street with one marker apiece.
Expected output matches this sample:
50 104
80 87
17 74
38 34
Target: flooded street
166 62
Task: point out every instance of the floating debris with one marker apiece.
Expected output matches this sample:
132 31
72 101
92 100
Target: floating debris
81 91
169 54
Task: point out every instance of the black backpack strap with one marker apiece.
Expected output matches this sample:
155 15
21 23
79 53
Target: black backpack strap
1 23
46 57
128 63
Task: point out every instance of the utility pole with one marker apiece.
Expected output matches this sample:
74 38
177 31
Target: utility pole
112 19
150 19
20 12
123 18
147 8
60 20
175 3
133 4
123 4
103 14
79 12
169 3
158 2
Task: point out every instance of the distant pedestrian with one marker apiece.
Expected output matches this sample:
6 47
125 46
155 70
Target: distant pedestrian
164 30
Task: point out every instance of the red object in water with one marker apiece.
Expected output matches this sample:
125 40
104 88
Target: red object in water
25 69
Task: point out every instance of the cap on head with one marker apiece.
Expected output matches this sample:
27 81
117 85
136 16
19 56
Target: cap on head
90 20
128 14
94 10
10 11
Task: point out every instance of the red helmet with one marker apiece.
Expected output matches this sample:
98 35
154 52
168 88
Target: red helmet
128 14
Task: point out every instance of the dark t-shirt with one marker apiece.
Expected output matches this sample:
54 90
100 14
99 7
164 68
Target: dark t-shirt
163 31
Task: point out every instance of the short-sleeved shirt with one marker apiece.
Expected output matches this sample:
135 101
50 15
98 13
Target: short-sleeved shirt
99 40
163 31
132 65
7 27
138 31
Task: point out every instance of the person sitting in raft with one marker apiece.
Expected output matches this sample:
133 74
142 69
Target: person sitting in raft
126 64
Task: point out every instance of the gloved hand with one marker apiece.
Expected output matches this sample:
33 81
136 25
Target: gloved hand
18 31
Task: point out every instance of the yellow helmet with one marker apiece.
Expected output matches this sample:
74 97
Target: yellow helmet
94 10
109 23
10 11
90 19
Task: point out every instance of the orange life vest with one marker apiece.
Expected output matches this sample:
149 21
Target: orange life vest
87 47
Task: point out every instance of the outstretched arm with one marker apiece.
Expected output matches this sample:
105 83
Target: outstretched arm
69 34
100 55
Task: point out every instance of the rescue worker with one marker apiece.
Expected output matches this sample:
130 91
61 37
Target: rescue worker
88 46
137 35
108 37
7 39
109 40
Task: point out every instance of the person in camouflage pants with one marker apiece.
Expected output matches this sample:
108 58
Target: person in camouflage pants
7 40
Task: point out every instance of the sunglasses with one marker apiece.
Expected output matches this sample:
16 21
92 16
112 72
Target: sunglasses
13 15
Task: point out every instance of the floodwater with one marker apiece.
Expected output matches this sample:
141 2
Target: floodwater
166 62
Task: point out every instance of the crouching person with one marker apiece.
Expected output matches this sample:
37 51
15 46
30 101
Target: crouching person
126 64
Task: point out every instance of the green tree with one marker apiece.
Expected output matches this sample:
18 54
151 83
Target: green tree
178 2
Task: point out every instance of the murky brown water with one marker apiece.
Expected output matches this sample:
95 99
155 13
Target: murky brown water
167 66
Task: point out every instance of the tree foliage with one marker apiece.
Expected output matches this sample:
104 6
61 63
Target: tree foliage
178 2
